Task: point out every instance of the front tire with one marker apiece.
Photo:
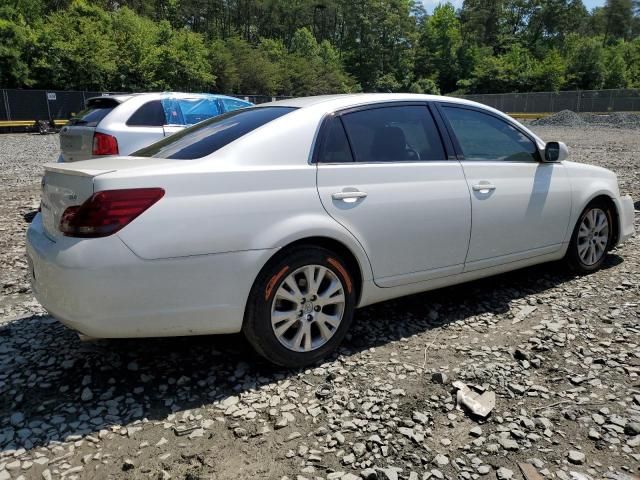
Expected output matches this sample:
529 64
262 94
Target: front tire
300 306
591 239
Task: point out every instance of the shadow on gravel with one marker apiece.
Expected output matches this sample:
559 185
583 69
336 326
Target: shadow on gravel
29 216
53 386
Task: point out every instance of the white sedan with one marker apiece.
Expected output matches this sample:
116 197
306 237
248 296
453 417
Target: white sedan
280 219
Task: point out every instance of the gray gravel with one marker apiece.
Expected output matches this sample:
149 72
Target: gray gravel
567 118
560 354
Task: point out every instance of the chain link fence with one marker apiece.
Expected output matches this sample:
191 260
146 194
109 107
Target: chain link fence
596 101
22 107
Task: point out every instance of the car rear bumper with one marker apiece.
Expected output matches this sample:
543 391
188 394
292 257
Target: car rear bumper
101 289
627 218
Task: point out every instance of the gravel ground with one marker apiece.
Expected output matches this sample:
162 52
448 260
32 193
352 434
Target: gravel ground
567 118
559 354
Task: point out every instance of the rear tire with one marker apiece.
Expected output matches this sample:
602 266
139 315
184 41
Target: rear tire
591 239
300 306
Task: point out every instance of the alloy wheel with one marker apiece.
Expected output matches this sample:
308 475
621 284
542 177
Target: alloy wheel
307 308
593 236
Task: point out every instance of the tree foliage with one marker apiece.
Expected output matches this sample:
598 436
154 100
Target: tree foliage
304 47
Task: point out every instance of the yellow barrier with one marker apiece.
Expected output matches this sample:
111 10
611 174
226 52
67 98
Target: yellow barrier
16 123
28 123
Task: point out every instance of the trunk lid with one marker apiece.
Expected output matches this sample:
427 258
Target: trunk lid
76 142
66 185
76 138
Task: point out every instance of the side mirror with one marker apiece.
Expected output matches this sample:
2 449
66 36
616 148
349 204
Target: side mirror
555 152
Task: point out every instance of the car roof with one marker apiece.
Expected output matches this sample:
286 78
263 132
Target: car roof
121 98
332 102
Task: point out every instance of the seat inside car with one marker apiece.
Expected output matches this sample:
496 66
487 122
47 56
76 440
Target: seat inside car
389 144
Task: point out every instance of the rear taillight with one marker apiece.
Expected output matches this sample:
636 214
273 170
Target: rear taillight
106 212
104 144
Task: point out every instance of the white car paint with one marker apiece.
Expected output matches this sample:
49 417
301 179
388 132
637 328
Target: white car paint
186 265
507 223
408 205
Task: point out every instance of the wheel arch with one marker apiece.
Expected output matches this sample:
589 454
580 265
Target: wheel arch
353 265
607 199
353 260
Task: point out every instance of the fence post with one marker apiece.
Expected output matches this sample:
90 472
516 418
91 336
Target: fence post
610 101
5 97
46 95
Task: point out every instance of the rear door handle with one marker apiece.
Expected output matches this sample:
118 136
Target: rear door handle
483 187
349 195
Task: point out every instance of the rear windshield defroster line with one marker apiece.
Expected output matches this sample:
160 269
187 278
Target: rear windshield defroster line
210 135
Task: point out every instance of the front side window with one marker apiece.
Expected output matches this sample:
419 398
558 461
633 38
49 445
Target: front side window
484 137
210 135
151 114
393 134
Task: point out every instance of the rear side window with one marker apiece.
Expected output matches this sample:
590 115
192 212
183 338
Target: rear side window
484 137
393 134
335 146
151 114
231 105
211 135
96 110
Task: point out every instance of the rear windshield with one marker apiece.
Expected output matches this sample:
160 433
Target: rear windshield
210 135
96 110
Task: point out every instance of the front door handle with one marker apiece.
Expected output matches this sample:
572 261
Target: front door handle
483 187
349 196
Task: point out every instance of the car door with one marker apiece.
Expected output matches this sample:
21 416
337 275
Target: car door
384 174
520 205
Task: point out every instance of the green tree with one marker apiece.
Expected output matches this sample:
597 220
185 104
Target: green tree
550 72
137 38
76 49
616 68
16 41
256 73
304 43
631 53
387 83
179 61
440 42
424 85
481 22
619 19
585 63
223 67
